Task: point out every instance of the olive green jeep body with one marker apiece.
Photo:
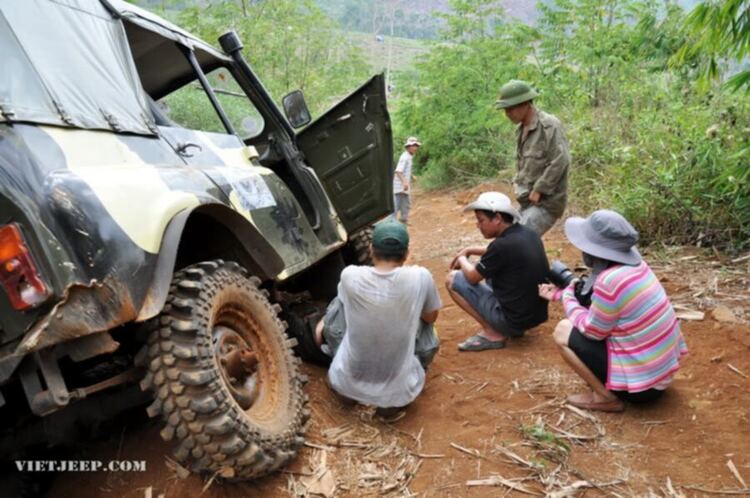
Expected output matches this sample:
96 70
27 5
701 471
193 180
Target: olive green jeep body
160 224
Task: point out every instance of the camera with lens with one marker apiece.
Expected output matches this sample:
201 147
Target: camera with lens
561 276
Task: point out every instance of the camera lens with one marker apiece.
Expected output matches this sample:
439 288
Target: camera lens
559 274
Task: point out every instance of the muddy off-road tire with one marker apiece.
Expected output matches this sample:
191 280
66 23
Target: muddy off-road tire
224 410
357 251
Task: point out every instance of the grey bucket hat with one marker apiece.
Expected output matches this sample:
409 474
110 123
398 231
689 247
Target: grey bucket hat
606 235
513 93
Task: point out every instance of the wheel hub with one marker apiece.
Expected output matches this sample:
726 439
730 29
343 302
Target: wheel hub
238 365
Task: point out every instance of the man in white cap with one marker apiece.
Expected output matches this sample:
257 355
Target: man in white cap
507 303
402 181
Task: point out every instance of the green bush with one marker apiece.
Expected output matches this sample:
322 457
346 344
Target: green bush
648 139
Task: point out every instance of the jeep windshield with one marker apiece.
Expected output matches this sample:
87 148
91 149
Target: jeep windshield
170 63
190 107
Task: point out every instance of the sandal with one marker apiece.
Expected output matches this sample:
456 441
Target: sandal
587 402
480 343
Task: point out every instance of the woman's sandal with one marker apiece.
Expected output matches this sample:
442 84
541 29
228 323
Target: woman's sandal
587 402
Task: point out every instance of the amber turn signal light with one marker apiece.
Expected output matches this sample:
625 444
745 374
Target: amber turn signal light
18 273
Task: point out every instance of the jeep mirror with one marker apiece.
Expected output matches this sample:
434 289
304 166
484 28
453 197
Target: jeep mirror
295 109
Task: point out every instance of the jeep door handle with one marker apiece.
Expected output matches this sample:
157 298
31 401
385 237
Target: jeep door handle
182 149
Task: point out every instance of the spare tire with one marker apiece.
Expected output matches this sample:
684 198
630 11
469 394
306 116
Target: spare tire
224 376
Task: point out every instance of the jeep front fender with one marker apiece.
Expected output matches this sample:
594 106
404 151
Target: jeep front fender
267 261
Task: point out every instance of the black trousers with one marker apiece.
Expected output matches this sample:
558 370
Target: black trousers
594 355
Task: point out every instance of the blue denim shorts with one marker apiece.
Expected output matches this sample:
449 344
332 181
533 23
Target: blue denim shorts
483 300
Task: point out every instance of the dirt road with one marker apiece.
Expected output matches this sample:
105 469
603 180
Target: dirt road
498 417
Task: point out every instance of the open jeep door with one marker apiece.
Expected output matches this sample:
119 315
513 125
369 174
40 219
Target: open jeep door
350 148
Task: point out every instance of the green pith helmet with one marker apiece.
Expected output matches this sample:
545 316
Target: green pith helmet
513 93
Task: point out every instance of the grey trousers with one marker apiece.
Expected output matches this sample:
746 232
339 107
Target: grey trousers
538 219
334 327
402 205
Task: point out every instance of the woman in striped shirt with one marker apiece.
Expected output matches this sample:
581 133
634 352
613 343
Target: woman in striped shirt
627 344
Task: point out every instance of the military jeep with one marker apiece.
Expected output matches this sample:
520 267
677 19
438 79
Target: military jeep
160 224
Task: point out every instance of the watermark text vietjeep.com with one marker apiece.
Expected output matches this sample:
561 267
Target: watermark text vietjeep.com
80 466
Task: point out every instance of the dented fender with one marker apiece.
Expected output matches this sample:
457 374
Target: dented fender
84 310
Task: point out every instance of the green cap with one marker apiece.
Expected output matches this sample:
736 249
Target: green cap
390 237
513 93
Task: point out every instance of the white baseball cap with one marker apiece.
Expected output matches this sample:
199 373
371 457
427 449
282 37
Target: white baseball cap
496 202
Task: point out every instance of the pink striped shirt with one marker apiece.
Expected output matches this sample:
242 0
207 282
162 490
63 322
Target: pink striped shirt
631 311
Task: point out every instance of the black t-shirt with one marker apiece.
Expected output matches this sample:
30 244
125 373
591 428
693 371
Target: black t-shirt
514 265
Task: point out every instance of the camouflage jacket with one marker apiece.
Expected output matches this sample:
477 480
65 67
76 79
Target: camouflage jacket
542 163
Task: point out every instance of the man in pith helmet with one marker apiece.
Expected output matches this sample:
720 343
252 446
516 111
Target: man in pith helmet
542 157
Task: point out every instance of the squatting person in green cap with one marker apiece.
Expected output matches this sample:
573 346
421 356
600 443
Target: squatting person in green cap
542 157
379 329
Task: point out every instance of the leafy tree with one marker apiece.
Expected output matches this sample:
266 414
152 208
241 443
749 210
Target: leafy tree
593 39
720 30
661 35
449 103
291 44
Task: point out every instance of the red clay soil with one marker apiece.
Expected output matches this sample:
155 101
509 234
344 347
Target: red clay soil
479 409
